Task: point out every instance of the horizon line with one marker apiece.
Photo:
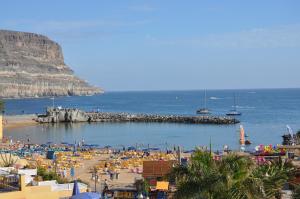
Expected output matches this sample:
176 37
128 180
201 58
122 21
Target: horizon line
202 89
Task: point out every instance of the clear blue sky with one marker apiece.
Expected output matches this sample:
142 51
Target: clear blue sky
169 44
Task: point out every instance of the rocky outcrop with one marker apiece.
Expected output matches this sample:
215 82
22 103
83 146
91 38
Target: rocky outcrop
74 115
56 115
32 65
288 139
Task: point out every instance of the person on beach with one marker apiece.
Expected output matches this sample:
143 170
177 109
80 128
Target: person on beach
105 188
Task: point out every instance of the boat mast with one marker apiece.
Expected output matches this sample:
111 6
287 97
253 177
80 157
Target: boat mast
205 98
53 101
234 105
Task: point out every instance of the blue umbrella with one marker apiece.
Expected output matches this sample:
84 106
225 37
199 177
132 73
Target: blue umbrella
154 149
131 148
87 195
65 143
75 189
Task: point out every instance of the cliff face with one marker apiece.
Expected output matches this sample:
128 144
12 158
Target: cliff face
32 65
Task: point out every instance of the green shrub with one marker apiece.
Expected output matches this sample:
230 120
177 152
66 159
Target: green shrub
50 175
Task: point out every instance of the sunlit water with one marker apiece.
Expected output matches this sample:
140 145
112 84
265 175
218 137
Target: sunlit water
265 114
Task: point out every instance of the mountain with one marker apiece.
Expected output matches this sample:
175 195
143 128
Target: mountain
32 65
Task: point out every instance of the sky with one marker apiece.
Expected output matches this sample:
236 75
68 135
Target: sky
169 44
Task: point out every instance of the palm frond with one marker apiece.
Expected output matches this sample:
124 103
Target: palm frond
234 177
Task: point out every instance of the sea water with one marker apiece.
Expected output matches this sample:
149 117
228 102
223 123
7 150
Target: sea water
265 114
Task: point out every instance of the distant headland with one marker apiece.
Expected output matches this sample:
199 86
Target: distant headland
32 65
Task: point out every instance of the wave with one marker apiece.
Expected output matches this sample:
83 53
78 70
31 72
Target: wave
244 107
215 98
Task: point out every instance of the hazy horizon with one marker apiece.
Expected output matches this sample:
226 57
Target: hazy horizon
203 89
170 45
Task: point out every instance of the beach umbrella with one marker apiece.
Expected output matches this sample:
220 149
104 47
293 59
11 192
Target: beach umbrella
154 149
87 195
131 148
75 189
189 151
65 143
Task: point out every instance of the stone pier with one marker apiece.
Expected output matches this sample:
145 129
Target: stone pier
75 115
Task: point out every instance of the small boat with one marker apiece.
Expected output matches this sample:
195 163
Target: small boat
247 142
203 110
234 112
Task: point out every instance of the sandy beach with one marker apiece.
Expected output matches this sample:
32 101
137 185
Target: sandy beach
18 121
126 177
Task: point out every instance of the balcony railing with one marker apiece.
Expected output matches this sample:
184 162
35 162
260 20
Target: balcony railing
9 183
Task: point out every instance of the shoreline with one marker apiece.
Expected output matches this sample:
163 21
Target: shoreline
18 121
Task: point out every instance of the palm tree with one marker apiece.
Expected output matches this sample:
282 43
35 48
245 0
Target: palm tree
296 192
200 179
141 186
274 175
233 177
237 178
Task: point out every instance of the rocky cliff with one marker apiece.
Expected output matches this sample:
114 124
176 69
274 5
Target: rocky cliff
32 65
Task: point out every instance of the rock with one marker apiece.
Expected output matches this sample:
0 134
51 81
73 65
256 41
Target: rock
56 115
32 65
288 139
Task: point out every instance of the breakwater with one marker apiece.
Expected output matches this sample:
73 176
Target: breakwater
55 115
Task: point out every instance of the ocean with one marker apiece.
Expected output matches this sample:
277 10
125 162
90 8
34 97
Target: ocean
265 114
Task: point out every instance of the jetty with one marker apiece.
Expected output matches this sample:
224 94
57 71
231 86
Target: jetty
69 115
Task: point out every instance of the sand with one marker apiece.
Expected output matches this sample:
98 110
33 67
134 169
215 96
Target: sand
18 121
84 173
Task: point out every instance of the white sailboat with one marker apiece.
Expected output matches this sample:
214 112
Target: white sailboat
203 110
234 111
